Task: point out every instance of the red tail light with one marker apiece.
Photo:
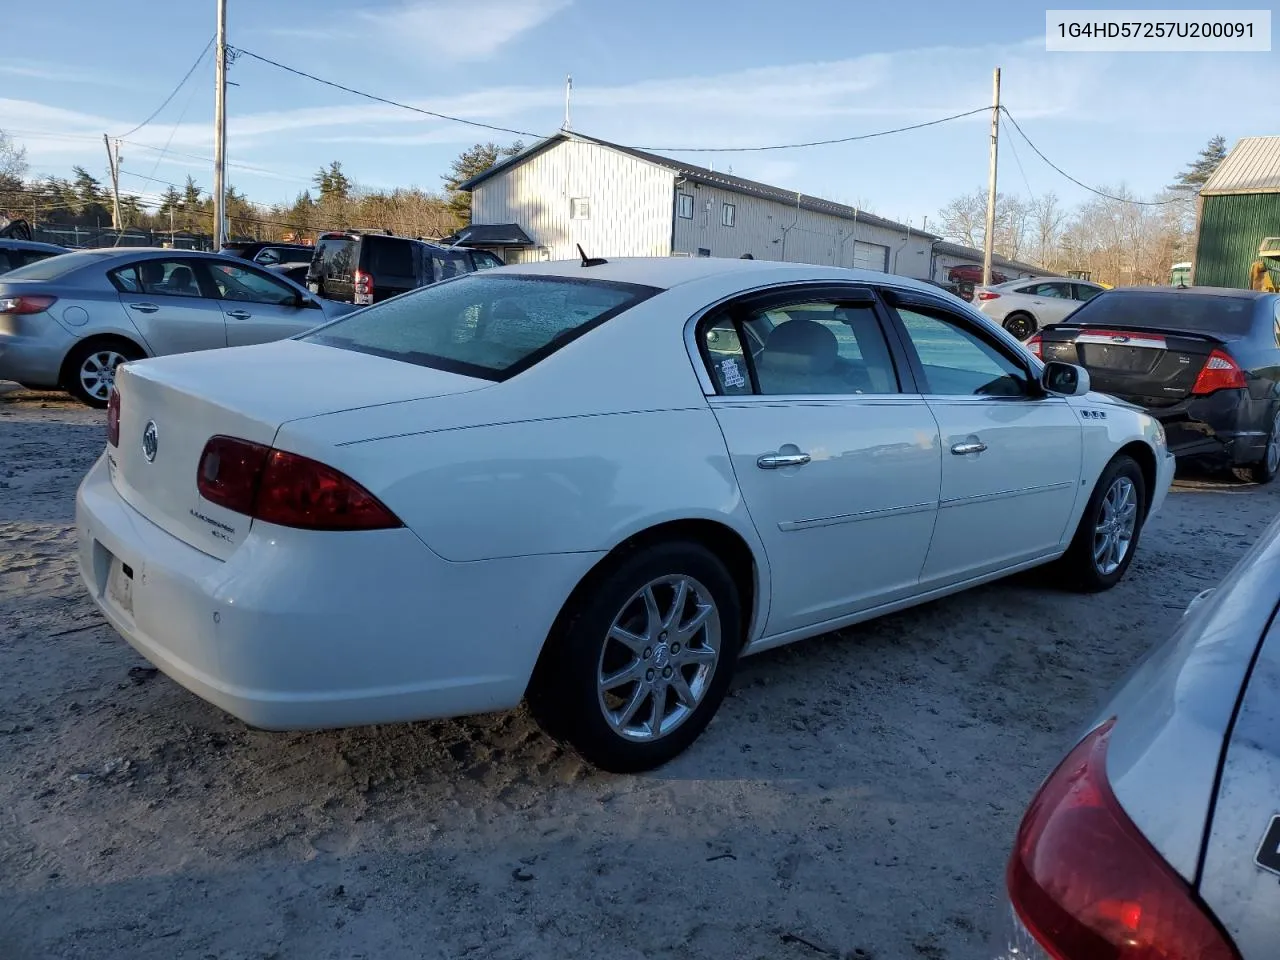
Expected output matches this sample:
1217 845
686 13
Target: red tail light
1220 372
1036 345
988 295
286 489
1088 886
113 418
27 304
363 283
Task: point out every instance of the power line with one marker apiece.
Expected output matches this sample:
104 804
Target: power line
1018 160
377 99
816 143
173 93
1142 203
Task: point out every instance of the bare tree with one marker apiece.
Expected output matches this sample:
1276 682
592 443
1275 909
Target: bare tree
1047 220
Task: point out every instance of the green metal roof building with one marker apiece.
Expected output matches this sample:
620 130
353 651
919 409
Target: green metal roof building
1239 208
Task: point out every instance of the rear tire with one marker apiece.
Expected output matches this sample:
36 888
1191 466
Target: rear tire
1022 325
1107 537
90 368
1265 470
641 657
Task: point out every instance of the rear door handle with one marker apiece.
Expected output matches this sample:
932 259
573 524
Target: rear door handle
964 449
144 307
773 461
239 314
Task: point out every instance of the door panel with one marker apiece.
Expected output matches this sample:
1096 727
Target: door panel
165 301
834 462
259 308
1011 456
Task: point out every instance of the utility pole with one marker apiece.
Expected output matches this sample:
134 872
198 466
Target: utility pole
220 131
988 241
113 162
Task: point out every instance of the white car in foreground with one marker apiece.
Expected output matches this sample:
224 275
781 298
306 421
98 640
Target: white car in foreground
592 485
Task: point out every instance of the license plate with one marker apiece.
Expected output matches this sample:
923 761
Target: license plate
120 586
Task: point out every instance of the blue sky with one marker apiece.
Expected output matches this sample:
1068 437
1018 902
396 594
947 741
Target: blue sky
656 73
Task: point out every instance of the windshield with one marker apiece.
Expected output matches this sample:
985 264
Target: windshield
53 267
1168 311
482 325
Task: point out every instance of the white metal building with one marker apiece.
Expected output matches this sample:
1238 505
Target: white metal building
615 201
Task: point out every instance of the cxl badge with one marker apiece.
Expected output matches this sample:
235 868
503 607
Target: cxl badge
150 441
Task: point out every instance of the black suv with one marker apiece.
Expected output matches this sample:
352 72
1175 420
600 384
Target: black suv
267 252
364 268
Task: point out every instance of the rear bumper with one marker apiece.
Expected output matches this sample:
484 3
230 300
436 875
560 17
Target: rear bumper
1228 426
31 353
306 630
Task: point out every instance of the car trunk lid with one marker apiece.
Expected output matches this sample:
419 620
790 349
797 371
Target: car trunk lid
169 408
1145 365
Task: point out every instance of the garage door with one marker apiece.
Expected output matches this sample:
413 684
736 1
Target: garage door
870 256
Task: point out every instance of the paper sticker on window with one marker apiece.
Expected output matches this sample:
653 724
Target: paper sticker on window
730 375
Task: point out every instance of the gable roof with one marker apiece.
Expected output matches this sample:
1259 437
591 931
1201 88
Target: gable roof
972 253
708 176
1252 166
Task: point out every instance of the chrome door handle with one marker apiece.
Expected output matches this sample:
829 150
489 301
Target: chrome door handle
963 449
772 461
239 314
144 307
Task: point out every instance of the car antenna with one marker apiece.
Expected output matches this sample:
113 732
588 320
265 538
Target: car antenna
589 261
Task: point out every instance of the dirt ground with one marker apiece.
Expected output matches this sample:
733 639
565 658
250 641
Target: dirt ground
855 797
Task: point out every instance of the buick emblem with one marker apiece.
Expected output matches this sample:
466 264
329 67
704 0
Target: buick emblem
1119 339
150 441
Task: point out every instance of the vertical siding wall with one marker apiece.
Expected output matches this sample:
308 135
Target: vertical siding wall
810 237
631 202
1232 226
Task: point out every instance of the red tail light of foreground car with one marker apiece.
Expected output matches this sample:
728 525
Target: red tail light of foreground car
1088 886
286 489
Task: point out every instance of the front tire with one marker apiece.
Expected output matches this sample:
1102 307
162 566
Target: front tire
641 658
1265 470
1107 537
1021 325
90 369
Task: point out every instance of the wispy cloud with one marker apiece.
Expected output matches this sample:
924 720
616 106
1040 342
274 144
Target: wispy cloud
58 73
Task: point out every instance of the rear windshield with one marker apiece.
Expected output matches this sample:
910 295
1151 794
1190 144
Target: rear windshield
482 325
387 256
1168 311
56 266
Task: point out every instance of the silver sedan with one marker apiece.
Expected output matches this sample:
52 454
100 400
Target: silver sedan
1159 834
67 322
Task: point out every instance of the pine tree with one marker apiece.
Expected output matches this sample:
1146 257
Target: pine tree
1201 169
472 163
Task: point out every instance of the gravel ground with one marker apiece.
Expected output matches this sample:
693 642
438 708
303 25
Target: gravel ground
855 797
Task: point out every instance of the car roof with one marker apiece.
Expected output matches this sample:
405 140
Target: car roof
667 272
1231 292
32 245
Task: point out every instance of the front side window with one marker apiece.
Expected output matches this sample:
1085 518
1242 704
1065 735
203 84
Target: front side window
959 362
446 264
684 206
159 278
580 208
484 260
487 325
728 214
249 286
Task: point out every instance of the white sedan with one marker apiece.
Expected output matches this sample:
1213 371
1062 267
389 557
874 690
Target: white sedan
590 485
1024 306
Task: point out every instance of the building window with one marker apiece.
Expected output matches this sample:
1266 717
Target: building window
580 208
684 206
728 214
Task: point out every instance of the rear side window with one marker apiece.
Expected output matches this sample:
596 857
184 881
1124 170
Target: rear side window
1228 315
387 256
482 325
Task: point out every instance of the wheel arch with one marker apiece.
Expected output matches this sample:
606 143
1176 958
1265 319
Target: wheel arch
1145 457
96 340
745 561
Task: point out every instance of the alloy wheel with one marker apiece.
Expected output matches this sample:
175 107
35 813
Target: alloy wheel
658 658
98 373
1116 521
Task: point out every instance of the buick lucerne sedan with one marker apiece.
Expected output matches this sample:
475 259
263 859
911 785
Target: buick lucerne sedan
592 486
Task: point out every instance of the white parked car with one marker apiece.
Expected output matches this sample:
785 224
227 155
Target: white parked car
592 485
1024 306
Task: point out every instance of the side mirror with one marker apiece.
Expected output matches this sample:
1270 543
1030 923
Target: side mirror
1064 379
305 302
